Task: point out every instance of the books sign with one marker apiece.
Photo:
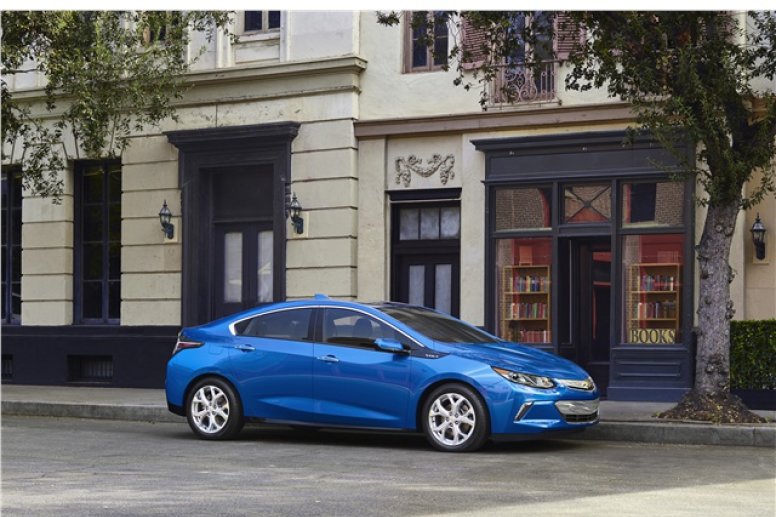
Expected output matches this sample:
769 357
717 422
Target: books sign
653 336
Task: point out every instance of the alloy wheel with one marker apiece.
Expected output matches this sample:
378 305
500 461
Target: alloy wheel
210 409
452 419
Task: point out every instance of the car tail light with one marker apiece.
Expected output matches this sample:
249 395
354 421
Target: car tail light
184 343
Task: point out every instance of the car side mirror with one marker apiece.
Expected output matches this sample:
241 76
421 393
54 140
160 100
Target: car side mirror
390 345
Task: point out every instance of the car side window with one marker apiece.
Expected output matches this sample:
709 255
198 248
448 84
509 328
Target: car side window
351 328
293 324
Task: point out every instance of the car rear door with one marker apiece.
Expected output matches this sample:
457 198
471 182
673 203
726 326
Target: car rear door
272 363
354 383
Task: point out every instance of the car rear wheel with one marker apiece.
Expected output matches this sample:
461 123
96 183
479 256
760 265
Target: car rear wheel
455 419
213 410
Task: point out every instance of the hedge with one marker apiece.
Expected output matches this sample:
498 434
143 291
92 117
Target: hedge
753 355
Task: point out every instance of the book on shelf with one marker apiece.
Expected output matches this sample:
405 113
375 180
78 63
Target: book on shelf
651 282
528 310
533 336
653 310
530 284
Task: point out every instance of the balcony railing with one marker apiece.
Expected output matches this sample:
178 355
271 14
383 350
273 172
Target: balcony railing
516 83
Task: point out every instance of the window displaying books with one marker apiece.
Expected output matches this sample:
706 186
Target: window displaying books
526 304
652 310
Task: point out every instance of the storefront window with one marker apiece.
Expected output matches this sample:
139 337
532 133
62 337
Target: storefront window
587 203
523 208
523 276
652 204
652 269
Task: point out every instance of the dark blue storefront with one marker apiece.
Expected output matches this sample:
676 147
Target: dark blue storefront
590 255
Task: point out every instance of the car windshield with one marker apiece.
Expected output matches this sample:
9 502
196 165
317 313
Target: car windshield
436 326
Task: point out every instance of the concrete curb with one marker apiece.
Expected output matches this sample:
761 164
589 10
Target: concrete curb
683 434
668 432
96 411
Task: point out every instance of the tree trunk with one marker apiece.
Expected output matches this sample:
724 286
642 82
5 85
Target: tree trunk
715 309
710 399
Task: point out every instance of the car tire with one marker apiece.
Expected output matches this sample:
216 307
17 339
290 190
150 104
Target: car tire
213 410
455 419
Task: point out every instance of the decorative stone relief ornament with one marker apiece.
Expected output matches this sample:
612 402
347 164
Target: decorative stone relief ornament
405 168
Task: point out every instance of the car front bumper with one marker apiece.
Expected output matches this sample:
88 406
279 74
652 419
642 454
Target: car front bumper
547 413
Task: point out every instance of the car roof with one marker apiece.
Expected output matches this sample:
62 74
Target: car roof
324 301
319 300
316 301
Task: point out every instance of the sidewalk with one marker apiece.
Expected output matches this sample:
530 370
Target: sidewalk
620 421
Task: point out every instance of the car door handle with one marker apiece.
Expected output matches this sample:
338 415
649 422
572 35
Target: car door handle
244 348
328 358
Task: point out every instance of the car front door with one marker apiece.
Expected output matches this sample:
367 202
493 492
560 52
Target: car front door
355 383
272 362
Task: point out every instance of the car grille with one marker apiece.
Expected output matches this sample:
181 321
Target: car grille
581 419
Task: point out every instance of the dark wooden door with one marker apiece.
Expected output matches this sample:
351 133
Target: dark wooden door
585 304
595 304
242 267
426 255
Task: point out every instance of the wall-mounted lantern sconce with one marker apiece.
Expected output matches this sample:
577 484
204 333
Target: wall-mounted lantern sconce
758 237
294 209
165 216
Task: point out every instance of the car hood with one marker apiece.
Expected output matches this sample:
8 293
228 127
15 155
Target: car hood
516 357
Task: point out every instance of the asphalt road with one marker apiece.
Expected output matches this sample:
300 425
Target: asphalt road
75 467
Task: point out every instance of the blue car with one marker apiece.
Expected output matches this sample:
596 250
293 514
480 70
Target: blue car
331 363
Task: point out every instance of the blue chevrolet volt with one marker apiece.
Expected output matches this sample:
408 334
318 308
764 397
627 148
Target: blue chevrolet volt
330 363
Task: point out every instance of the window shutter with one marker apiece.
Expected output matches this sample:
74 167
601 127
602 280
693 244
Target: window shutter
569 35
474 40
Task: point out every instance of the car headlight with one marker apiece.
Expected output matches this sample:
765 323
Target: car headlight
534 381
586 385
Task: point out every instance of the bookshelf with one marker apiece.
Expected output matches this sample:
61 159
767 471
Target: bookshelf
653 307
526 307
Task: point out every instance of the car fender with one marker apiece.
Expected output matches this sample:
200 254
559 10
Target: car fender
180 375
212 372
478 381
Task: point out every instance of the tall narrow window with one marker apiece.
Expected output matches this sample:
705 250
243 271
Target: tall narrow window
12 247
652 288
266 260
427 38
98 243
523 272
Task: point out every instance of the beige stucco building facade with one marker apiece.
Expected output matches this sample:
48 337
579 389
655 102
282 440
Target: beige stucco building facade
369 147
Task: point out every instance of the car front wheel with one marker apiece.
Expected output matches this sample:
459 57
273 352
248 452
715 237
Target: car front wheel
455 419
213 410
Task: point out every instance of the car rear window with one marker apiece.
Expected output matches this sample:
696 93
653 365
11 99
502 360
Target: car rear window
293 324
